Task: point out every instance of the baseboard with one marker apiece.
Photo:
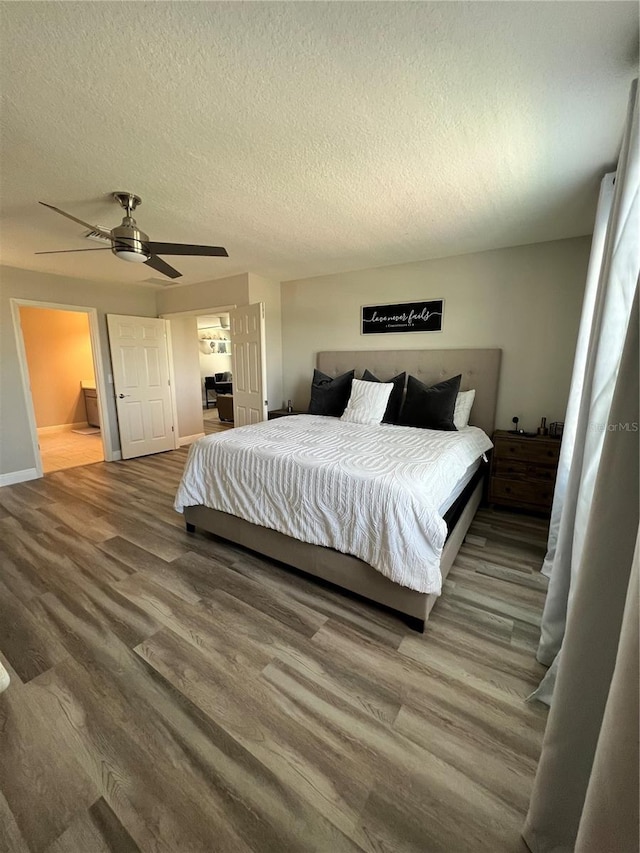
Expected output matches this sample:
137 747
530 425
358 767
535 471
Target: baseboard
62 428
116 456
189 439
14 477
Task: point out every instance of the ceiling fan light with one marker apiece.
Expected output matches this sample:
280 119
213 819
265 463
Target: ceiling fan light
131 256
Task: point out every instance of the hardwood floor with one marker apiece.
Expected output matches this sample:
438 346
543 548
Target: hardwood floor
173 693
212 423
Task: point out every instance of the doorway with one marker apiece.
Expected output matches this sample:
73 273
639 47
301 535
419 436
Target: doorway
248 401
198 339
216 378
63 384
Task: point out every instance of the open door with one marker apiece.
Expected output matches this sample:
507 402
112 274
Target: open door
249 364
140 361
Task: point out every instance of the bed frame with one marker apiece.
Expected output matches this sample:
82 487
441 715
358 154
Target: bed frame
480 369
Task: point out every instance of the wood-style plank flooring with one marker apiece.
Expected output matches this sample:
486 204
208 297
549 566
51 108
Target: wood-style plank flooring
211 421
173 693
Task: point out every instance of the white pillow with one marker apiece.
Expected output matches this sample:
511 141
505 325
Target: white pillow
368 402
464 402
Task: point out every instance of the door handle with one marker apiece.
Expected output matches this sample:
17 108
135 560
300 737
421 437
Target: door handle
122 396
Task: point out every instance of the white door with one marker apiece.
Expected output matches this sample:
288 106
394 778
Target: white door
248 364
140 361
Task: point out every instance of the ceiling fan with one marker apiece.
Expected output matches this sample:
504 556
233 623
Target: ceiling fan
130 244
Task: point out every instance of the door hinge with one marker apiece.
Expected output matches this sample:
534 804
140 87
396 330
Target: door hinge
172 429
168 382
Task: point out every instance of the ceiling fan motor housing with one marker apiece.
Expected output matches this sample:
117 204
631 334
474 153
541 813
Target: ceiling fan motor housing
129 243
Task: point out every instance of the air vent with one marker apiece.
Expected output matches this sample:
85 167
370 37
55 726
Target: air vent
162 282
97 237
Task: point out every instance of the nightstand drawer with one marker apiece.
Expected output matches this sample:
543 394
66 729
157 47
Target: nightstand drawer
531 450
523 471
514 469
521 492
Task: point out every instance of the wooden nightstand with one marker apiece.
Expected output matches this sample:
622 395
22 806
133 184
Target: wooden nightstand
523 471
283 413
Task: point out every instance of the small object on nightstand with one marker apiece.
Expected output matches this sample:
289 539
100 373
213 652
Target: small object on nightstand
555 429
542 429
289 406
516 420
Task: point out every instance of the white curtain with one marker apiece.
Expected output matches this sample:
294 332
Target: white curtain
585 795
611 282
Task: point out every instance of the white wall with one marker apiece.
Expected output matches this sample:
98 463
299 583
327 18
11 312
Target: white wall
16 451
525 300
214 362
268 291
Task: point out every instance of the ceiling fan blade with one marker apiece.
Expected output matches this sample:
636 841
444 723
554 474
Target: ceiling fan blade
75 219
187 249
162 266
65 251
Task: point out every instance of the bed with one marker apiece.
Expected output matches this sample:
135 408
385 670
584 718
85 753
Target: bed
318 455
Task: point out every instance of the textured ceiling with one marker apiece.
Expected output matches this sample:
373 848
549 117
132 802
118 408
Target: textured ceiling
308 138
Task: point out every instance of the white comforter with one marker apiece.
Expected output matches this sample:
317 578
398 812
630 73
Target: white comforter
370 491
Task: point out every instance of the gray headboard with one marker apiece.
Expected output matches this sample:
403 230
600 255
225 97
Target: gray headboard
480 369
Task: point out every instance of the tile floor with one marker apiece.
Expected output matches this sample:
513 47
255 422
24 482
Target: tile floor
66 449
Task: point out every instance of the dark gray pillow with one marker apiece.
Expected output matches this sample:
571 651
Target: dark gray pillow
395 398
330 396
430 407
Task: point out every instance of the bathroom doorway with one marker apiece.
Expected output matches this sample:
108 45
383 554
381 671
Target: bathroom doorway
60 367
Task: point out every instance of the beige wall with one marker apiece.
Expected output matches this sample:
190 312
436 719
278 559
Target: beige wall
58 347
525 300
234 290
186 366
268 291
16 451
219 293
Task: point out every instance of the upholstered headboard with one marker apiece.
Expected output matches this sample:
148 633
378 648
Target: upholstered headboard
480 369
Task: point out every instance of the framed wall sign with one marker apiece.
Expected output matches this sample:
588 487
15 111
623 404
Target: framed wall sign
403 317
